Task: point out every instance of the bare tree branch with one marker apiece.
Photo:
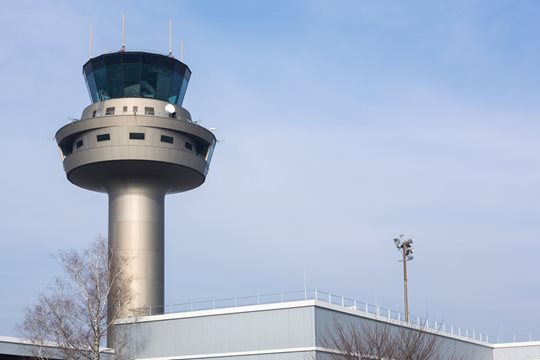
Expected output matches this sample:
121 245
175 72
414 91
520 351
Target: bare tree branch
371 339
73 313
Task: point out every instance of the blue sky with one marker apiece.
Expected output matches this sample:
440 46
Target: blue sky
341 124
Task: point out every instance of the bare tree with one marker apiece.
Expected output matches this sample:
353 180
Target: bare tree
379 340
71 318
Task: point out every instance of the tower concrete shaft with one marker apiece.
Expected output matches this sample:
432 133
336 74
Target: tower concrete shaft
136 230
137 144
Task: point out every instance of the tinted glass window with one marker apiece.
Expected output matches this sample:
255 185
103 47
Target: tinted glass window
92 89
167 139
66 151
136 74
210 152
164 78
109 111
149 111
174 90
149 76
114 77
132 80
103 137
79 144
201 149
136 136
102 84
188 146
185 81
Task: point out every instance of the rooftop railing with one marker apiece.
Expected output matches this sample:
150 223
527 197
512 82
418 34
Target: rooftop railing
327 297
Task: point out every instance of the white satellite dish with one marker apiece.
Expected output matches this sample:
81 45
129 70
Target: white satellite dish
170 109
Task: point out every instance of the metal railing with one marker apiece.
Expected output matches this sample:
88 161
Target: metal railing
327 297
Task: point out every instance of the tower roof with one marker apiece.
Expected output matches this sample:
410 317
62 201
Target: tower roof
136 74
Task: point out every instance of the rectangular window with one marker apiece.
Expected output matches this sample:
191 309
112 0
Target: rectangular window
188 146
167 139
79 144
103 137
66 151
135 109
136 136
94 113
109 111
148 111
124 109
201 149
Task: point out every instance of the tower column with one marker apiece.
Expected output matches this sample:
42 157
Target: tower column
136 239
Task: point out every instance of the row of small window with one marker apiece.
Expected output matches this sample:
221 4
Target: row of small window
136 136
110 110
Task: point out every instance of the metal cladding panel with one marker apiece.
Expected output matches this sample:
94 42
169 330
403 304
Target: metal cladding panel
15 347
296 355
208 328
325 320
221 334
226 333
265 338
281 330
517 352
169 338
237 325
196 337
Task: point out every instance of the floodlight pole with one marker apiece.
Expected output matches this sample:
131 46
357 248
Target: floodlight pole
405 246
406 297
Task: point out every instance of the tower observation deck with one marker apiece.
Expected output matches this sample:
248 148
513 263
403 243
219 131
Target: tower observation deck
137 143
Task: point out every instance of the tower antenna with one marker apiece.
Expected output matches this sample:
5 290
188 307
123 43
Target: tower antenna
170 37
91 41
123 33
181 51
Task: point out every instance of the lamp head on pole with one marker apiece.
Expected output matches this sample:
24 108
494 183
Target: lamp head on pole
405 246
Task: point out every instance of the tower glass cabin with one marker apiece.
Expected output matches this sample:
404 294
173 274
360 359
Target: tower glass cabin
136 74
137 143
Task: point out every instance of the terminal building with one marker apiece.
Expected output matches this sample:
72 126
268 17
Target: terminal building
137 143
279 327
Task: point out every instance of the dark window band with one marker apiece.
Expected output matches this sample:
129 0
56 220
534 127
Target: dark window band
167 139
103 137
136 136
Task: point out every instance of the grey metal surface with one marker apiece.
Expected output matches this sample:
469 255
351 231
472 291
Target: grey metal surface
293 355
210 332
327 317
268 330
15 346
517 351
136 231
23 349
101 106
284 331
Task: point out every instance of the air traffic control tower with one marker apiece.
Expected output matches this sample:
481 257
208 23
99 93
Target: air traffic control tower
137 143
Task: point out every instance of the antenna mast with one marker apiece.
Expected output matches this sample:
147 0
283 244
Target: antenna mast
123 33
170 38
181 51
91 41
